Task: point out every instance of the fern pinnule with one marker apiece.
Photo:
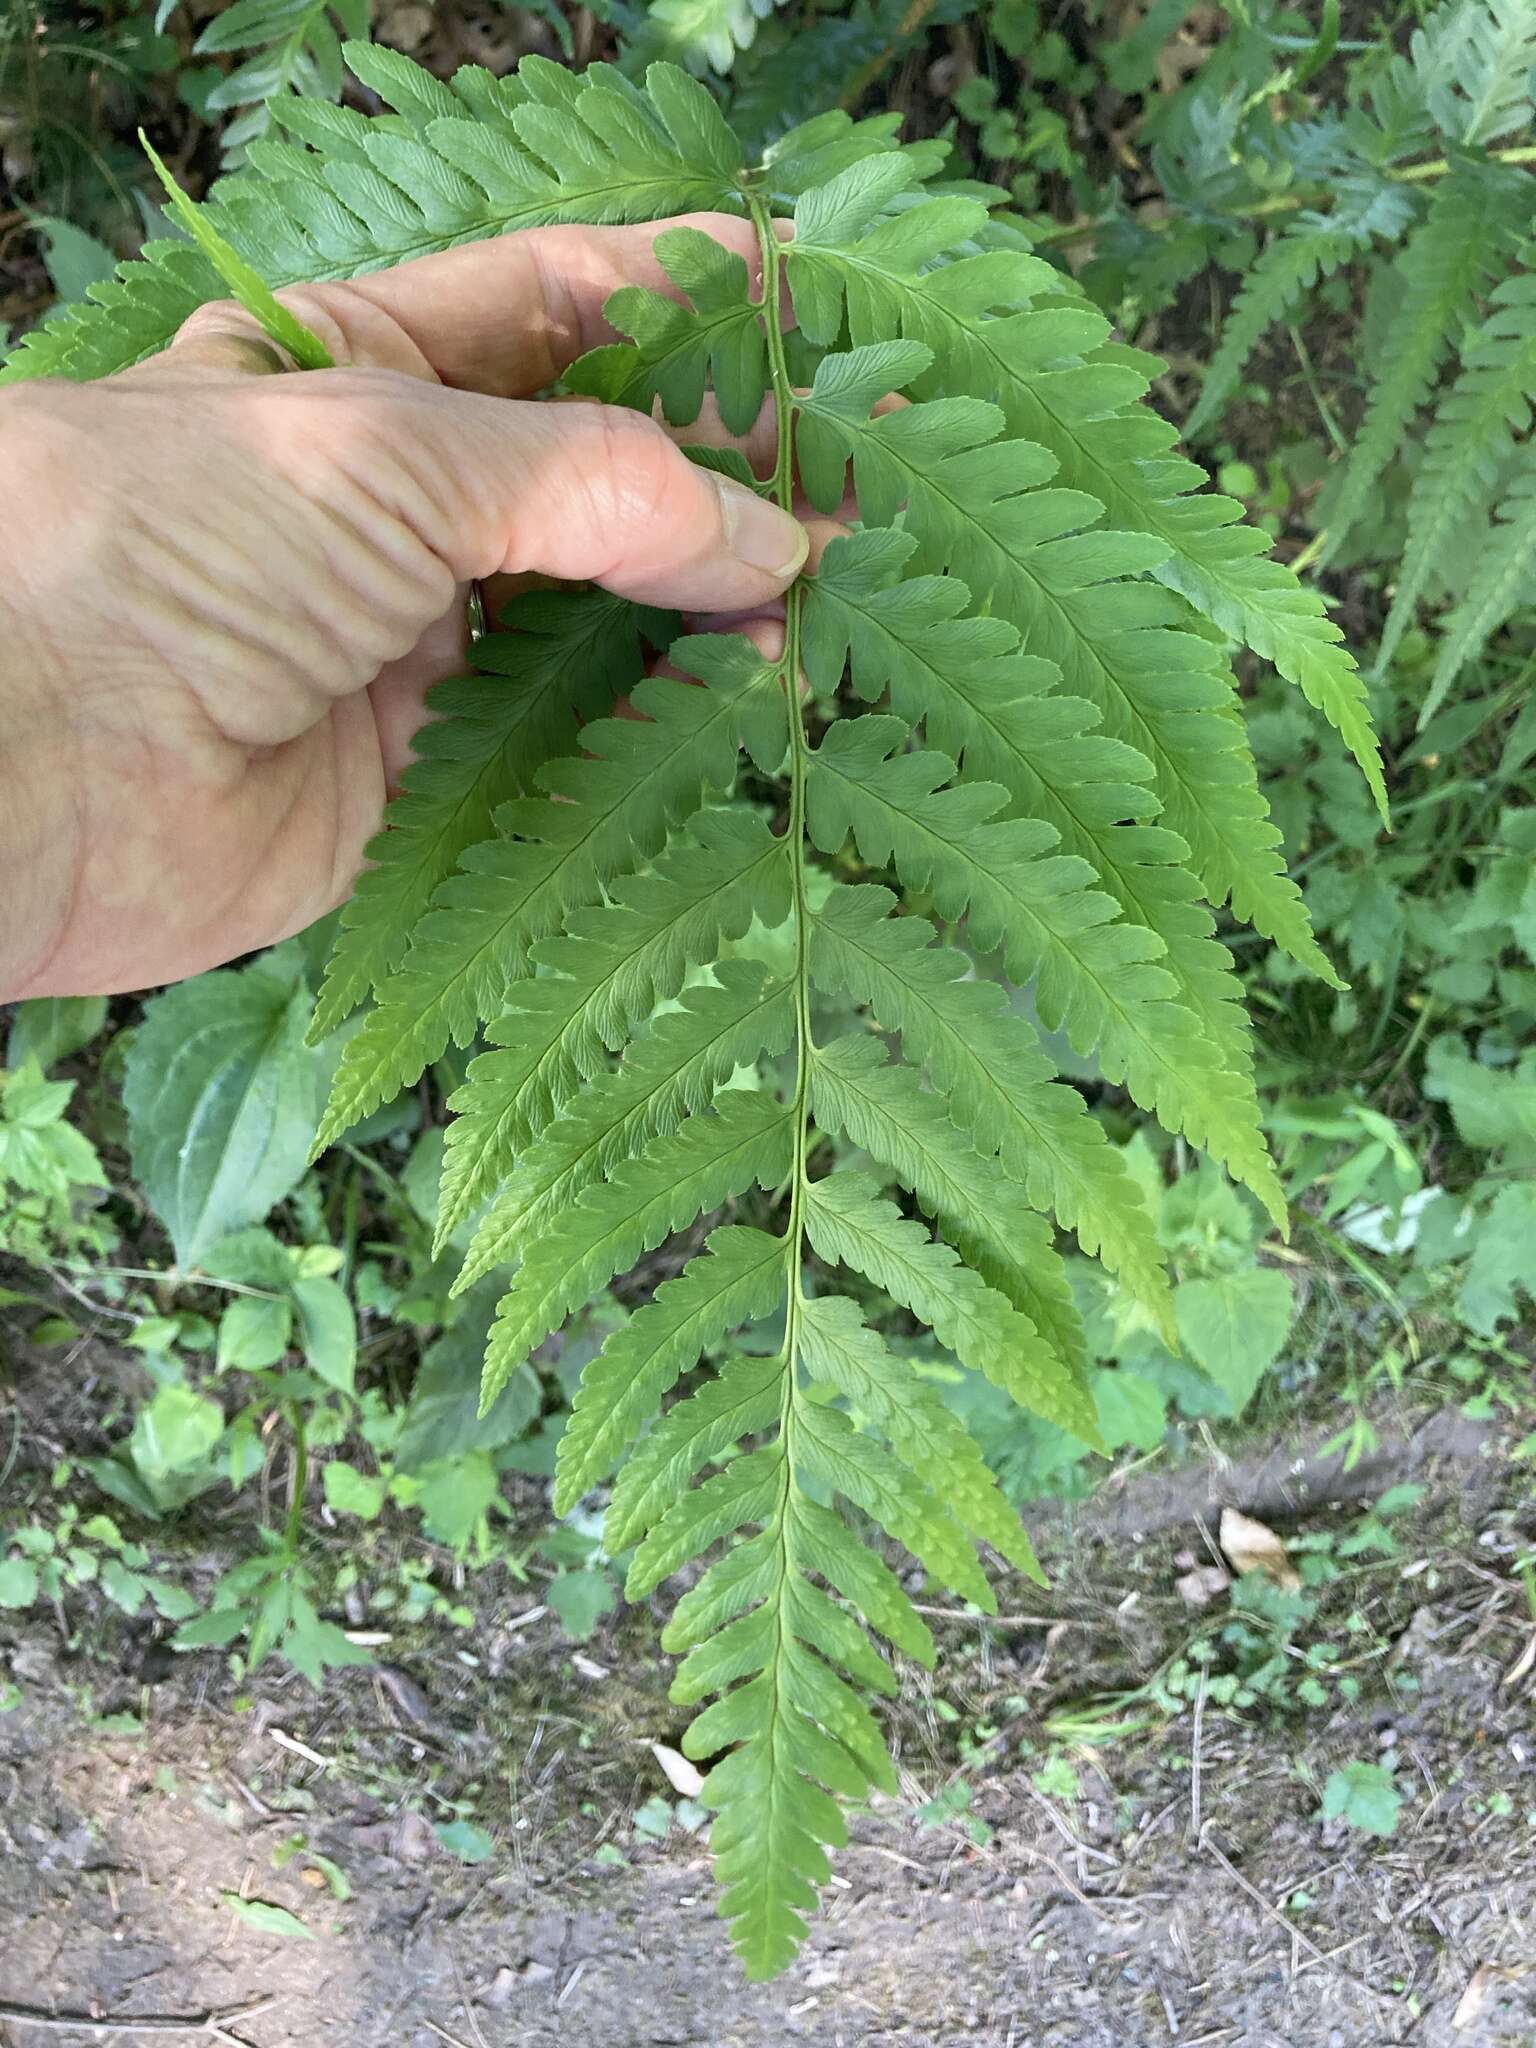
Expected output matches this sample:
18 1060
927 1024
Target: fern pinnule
1469 443
1447 262
1503 577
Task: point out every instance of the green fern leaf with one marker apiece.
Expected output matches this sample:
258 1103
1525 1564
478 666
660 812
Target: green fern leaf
669 1073
1057 387
695 1168
593 987
1275 285
842 1353
1096 978
636 777
1469 444
738 1278
558 658
1474 60
704 33
632 912
717 337
999 1085
976 517
1448 261
849 1223
1503 578
883 1109
744 1397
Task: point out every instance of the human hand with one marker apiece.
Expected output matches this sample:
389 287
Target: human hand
224 592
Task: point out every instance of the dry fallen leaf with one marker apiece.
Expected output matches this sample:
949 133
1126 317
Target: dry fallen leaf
1474 2002
1198 1588
685 1781
1251 1547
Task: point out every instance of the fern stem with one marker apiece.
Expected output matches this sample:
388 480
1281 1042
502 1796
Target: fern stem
783 489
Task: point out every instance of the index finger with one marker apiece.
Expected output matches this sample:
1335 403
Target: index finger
506 317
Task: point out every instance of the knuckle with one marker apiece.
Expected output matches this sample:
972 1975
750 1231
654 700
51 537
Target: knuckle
638 471
307 430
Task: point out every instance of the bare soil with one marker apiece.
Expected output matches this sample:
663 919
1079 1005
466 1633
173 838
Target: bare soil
1189 1893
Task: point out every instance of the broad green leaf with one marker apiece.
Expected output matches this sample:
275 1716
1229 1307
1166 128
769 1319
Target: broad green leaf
351 1492
222 1097
327 1331
174 1433
1234 1326
1366 1796
253 1333
18 1582
52 1028
581 1599
462 1839
75 262
453 1494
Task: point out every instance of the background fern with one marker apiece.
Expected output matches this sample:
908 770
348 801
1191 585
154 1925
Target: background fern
627 901
1428 198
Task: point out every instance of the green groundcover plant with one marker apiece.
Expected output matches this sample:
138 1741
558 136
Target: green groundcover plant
790 959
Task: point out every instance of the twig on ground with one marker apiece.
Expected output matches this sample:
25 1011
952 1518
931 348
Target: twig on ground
1194 1753
1272 1911
215 2024
443 2034
1012 1620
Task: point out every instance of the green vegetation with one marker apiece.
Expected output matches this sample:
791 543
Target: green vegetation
1050 1045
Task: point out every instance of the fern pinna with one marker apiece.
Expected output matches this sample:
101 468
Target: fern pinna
742 962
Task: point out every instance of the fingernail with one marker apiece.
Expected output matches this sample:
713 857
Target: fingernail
758 533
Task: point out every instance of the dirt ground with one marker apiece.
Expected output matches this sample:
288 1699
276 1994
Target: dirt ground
1188 1894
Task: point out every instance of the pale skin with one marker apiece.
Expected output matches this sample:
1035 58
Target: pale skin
226 587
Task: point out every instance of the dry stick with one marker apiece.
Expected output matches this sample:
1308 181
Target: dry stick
1274 1913
1009 1620
214 2023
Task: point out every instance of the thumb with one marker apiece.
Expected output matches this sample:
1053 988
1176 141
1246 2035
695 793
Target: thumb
577 492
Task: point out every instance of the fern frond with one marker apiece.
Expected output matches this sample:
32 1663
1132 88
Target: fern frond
841 1352
883 1109
1097 978
979 698
632 912
671 1071
1469 442
1000 1087
739 1277
679 348
298 50
1504 577
558 658
1276 283
635 779
1045 368
849 1223
1474 60
706 1160
595 986
1448 261
483 156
